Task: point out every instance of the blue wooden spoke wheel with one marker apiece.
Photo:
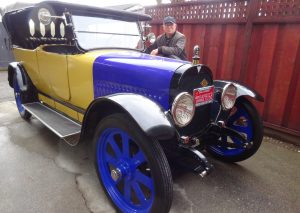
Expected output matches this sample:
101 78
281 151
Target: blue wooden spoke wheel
244 119
131 167
20 98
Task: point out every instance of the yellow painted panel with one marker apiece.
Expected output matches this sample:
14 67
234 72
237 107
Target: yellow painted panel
54 73
29 60
80 70
71 76
81 79
80 117
66 110
46 100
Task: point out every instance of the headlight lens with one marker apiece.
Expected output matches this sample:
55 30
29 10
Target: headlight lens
228 96
183 109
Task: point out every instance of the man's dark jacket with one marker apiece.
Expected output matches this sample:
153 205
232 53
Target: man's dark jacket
169 47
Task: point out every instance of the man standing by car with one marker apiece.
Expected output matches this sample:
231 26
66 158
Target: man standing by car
170 44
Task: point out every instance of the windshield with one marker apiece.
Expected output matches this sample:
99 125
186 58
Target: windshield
95 32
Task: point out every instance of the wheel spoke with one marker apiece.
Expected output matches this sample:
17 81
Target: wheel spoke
110 159
224 140
247 130
235 116
115 147
138 159
237 142
125 145
139 193
145 180
127 191
241 129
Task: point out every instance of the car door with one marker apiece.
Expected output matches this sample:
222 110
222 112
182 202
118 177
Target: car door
53 69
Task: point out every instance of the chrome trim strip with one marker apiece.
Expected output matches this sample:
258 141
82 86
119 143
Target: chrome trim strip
71 106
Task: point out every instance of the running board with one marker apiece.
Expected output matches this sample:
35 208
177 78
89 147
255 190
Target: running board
62 126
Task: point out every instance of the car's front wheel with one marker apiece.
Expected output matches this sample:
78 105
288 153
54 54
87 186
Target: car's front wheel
244 119
131 167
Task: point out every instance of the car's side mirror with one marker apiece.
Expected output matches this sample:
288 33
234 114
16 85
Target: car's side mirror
151 38
148 35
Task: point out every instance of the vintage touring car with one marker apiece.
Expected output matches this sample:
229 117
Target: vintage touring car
82 72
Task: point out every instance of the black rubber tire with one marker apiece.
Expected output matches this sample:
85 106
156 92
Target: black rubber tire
160 169
25 97
257 134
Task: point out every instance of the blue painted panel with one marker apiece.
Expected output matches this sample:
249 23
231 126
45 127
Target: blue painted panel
134 72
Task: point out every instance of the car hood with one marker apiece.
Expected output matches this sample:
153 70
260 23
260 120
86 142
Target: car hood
135 72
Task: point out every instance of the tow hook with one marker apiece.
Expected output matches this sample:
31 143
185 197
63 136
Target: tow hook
201 167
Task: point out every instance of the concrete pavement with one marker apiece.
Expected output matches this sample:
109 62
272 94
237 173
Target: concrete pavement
40 173
6 93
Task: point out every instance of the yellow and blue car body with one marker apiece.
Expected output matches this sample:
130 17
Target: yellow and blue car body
83 73
79 79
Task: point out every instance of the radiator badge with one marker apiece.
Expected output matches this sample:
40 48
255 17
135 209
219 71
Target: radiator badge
204 83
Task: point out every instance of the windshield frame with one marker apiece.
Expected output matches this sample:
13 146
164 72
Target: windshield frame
139 28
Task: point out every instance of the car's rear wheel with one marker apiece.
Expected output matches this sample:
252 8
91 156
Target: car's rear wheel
131 167
245 119
20 98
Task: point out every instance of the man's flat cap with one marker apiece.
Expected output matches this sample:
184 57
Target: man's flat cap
169 19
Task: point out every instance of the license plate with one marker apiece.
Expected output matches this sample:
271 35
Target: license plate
203 95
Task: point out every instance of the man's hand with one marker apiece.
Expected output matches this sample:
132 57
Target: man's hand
154 52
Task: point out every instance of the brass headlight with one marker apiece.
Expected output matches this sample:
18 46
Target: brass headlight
228 97
183 109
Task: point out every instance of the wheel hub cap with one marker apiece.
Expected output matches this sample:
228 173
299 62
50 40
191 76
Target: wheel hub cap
116 174
241 121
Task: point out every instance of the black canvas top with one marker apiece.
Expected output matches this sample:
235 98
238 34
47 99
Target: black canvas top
77 9
16 20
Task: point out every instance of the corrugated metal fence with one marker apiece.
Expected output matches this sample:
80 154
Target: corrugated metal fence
253 41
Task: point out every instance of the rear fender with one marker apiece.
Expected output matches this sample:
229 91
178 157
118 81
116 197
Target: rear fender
15 68
149 116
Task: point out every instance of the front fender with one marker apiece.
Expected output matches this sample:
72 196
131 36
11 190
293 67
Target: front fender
242 90
146 113
15 68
